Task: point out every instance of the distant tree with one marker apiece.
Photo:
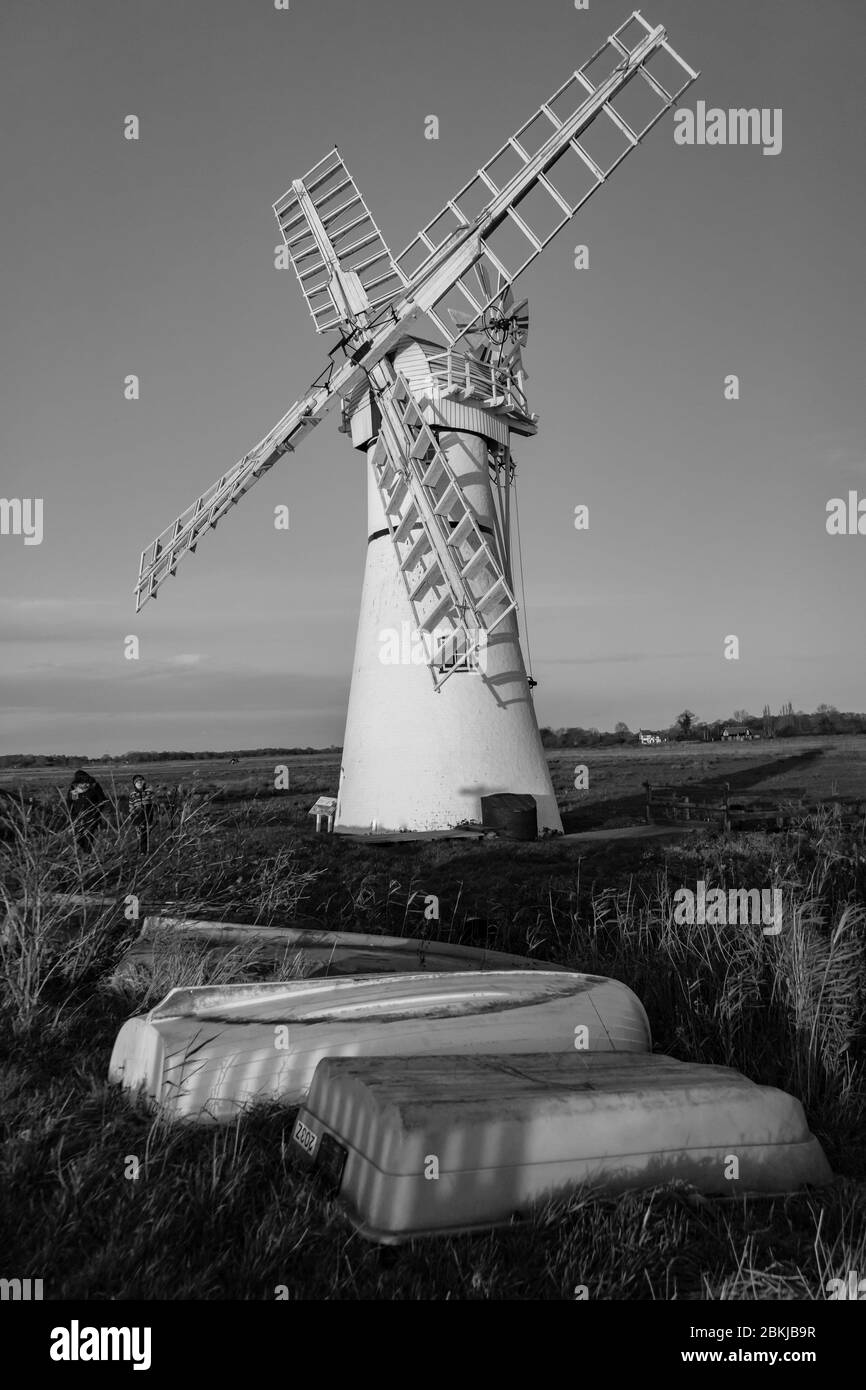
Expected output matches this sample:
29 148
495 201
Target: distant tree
786 724
622 729
685 721
828 720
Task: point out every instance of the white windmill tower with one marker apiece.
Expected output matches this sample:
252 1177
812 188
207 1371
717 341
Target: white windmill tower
429 376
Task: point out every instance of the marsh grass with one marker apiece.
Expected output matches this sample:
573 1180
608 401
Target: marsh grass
225 1212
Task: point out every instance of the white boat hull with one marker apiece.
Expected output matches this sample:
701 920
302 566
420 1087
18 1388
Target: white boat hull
311 950
206 1053
500 1133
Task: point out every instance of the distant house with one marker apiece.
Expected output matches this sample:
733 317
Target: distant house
648 736
737 731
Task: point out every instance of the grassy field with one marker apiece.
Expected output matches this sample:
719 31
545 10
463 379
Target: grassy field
795 768
228 1214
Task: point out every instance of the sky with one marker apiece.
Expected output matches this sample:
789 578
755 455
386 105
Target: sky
155 257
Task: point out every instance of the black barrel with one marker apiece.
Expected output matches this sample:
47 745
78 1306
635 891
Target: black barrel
513 815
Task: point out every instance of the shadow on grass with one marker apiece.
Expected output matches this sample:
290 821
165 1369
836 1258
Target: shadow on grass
631 808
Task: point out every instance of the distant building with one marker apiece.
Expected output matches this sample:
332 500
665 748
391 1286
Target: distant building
648 736
737 731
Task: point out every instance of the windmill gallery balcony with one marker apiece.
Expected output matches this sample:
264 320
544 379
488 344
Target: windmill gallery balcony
460 376
450 375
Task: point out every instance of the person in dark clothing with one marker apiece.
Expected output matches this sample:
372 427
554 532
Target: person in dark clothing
141 809
86 801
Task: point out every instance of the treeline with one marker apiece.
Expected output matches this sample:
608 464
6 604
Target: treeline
788 723
73 760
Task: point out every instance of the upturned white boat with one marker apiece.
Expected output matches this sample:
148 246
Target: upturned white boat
205 1053
314 950
429 1145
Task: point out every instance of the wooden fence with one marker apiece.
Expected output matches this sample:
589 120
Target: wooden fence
675 804
703 804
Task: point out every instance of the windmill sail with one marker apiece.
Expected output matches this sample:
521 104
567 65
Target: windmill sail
353 239
536 181
160 558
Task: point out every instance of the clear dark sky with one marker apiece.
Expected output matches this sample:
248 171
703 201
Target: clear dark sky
155 257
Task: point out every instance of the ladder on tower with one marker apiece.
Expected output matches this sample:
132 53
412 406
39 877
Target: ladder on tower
454 581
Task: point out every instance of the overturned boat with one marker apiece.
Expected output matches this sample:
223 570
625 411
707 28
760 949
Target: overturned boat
207 1052
439 1144
310 949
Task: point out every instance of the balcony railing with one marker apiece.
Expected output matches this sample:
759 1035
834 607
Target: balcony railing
456 376
461 377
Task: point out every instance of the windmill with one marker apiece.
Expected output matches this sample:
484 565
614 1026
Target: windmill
429 376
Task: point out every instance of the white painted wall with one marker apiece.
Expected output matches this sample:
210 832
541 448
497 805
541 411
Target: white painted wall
415 758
